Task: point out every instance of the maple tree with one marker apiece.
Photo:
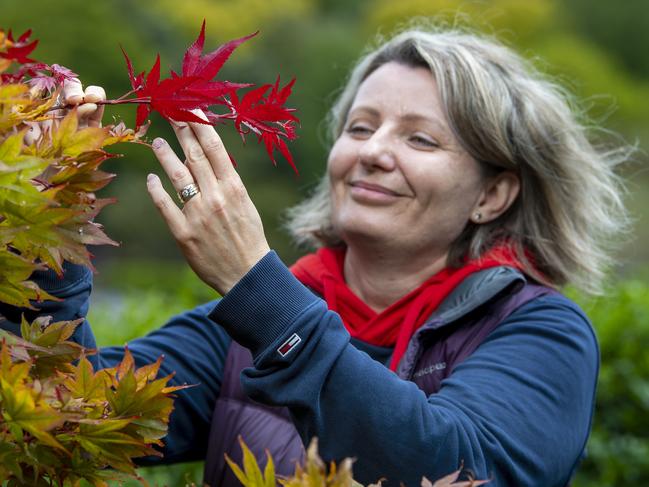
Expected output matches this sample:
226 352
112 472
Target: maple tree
47 185
47 201
61 423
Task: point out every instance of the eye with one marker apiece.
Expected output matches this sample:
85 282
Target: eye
358 129
423 141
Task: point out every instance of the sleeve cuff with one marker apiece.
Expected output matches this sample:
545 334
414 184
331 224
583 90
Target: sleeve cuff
52 283
261 307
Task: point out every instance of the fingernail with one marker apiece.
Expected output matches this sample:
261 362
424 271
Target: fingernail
150 178
157 143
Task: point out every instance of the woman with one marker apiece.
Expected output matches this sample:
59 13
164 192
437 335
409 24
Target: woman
427 331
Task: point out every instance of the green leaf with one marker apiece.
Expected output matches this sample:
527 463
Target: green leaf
9 455
50 334
87 139
65 131
21 411
269 471
99 428
251 466
85 384
238 472
12 374
14 287
151 428
121 399
11 147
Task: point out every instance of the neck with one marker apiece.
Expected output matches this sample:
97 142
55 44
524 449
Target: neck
381 278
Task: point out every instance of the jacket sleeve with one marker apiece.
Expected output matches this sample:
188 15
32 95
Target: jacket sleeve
194 351
73 288
517 411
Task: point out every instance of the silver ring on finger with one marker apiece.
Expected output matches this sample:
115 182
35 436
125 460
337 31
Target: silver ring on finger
188 192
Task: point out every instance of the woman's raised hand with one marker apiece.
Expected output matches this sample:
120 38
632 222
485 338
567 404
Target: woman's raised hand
89 113
73 95
218 229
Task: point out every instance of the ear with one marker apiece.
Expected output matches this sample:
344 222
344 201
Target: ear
498 195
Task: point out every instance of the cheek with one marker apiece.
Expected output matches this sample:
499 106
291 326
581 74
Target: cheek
452 194
339 161
335 173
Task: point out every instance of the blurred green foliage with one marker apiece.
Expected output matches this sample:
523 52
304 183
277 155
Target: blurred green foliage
618 450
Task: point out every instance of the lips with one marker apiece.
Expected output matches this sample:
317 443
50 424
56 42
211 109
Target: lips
374 187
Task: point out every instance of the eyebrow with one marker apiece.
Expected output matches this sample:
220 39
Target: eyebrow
408 117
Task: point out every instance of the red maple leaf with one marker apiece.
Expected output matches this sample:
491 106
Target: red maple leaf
19 75
207 67
174 97
170 97
20 49
196 88
48 82
267 117
136 81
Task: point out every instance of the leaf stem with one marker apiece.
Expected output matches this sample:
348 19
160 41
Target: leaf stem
126 94
121 101
118 101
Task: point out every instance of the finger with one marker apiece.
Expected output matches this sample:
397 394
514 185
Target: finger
171 214
84 112
197 161
72 93
178 173
213 148
93 95
46 125
33 134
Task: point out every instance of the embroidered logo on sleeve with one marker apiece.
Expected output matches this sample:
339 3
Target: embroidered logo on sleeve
288 346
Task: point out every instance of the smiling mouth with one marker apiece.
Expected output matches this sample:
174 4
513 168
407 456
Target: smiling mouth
373 187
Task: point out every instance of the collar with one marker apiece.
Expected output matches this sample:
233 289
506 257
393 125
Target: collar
476 290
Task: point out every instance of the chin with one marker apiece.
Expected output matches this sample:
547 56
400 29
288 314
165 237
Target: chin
363 233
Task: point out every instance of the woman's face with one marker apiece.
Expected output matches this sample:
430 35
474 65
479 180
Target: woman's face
398 175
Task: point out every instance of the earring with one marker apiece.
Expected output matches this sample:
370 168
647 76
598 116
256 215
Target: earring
477 216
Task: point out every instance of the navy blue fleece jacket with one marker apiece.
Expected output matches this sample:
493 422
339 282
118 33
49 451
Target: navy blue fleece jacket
518 410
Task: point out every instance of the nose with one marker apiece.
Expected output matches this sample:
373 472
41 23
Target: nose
377 152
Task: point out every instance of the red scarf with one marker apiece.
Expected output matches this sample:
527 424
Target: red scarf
395 325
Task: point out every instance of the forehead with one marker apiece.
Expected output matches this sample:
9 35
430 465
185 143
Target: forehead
398 87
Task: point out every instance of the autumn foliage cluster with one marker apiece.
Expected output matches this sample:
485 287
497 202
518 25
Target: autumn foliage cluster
259 110
316 473
60 421
47 185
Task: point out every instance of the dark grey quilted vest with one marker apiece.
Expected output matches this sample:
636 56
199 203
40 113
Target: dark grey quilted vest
452 333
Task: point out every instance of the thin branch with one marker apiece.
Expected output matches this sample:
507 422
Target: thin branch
118 101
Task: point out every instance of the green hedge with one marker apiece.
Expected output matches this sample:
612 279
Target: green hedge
618 450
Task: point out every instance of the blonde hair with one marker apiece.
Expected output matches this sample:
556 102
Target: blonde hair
507 117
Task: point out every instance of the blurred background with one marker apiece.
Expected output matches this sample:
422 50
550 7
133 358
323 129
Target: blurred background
598 49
